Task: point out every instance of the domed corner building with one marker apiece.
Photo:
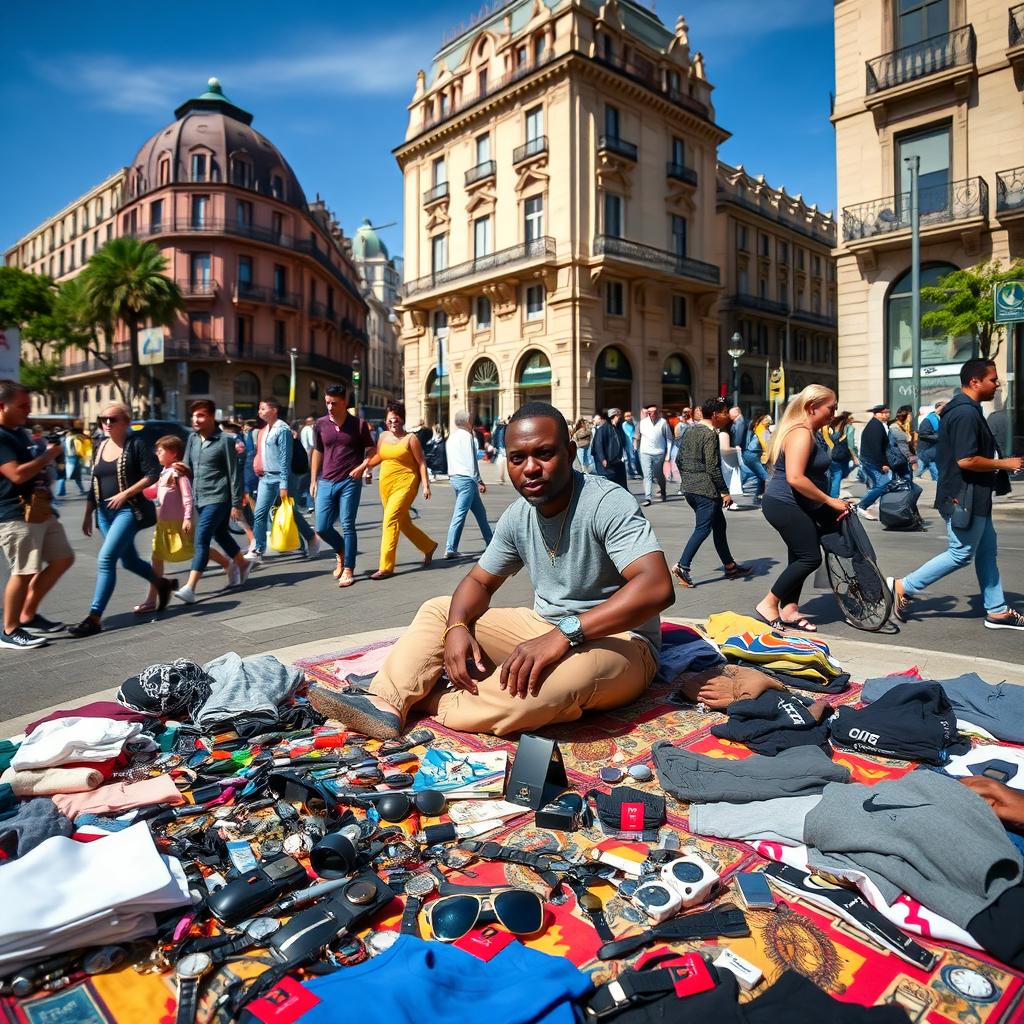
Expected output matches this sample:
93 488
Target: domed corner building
264 273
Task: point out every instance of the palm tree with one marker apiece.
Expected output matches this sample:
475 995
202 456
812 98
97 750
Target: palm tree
124 281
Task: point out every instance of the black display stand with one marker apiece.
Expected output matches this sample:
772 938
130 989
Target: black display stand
538 773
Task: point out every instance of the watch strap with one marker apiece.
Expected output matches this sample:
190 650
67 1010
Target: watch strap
596 915
726 920
538 862
410 923
225 952
188 992
629 987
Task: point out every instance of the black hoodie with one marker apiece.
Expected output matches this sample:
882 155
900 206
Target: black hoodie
963 432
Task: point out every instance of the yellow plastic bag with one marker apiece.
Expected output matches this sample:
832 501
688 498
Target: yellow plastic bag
284 535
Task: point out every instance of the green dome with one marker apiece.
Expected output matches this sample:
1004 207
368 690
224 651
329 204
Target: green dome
366 243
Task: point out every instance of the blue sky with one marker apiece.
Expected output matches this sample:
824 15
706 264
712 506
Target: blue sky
84 84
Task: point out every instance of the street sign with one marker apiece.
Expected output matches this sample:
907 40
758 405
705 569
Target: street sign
10 353
151 346
1008 300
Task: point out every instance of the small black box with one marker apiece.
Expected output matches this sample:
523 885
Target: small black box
562 814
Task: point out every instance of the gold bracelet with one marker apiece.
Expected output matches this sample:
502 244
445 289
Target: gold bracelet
454 625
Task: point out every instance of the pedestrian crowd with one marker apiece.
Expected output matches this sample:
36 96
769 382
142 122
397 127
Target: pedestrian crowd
201 490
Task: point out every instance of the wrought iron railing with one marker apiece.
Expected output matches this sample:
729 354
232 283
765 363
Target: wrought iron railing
810 317
270 296
1016 34
193 288
614 144
531 147
939 53
1010 189
756 302
539 247
439 191
648 77
319 311
485 169
959 200
680 172
659 259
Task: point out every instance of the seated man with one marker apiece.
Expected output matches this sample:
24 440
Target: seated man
590 643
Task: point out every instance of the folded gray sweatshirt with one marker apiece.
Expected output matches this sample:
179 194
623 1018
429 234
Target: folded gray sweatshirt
781 821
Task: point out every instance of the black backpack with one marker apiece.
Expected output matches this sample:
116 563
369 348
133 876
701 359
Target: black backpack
300 460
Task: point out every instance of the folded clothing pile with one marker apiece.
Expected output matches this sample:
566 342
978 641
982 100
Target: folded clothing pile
774 722
685 650
65 895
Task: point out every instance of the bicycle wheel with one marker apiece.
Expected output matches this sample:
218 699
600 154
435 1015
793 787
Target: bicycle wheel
863 597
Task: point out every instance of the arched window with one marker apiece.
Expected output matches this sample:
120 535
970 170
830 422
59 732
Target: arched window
164 170
247 395
437 401
483 392
199 382
614 379
533 378
241 172
676 383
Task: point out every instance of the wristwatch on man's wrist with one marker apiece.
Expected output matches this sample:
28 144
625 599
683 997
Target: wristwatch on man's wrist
572 629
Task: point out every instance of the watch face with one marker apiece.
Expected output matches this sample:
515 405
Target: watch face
360 893
569 624
260 927
420 886
590 901
377 942
192 966
970 984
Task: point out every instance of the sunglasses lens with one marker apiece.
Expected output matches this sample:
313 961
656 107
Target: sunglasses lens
610 774
452 916
640 772
431 803
519 911
394 807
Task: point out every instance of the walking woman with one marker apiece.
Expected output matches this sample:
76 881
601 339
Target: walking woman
796 501
701 480
123 466
581 434
755 451
901 440
400 457
840 436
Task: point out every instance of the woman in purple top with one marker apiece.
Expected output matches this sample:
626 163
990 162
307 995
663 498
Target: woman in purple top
340 443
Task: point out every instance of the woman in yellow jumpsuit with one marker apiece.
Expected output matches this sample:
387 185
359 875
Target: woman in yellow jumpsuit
400 456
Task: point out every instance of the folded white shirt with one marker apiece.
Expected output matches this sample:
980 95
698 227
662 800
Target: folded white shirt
70 740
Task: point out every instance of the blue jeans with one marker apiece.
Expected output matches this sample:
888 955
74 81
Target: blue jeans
586 459
72 471
339 499
467 499
877 482
211 523
118 529
653 467
978 541
752 460
836 475
710 520
633 462
926 460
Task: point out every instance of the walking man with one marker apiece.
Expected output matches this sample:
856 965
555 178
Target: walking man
211 460
970 470
653 440
76 449
464 476
306 439
629 429
34 542
341 441
874 445
927 440
608 448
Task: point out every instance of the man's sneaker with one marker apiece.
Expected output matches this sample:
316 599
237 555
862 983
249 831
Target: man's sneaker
736 571
185 594
355 711
901 604
866 513
234 574
244 570
1011 620
449 555
253 555
20 640
682 576
645 502
313 547
38 625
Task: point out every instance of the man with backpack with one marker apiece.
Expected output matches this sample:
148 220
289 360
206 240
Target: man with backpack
927 441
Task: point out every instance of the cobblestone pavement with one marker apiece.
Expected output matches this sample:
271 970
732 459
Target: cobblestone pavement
290 601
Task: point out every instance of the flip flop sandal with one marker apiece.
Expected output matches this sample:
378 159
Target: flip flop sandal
804 625
144 609
346 581
773 623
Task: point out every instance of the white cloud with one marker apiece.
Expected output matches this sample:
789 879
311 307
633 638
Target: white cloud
370 65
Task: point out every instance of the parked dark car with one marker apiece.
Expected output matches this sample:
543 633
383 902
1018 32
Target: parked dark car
153 430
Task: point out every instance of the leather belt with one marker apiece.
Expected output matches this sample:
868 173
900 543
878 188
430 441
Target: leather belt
725 920
628 988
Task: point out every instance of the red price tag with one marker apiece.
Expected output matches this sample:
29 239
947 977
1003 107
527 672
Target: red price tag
485 943
286 1002
690 974
631 818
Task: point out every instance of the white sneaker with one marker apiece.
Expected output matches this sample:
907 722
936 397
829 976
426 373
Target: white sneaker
866 513
244 570
234 574
184 594
254 556
313 547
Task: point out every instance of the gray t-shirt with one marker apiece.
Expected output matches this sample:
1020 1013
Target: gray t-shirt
605 531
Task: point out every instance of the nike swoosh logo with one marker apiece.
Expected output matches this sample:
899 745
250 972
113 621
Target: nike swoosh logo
871 805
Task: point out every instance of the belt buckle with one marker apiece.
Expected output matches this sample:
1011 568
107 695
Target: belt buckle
618 1000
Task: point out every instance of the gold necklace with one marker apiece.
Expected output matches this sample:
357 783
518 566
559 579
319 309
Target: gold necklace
565 515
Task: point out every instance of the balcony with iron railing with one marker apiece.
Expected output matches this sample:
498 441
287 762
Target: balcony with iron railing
198 288
539 248
245 292
613 144
746 301
436 193
531 147
680 172
946 52
809 316
1010 193
940 206
484 170
656 259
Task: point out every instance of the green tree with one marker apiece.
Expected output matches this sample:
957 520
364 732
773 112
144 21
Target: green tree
964 304
23 296
125 282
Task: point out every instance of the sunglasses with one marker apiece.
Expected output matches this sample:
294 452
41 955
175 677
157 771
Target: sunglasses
109 419
395 807
639 772
519 911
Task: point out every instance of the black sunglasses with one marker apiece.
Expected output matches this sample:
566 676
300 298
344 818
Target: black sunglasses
393 807
109 419
520 911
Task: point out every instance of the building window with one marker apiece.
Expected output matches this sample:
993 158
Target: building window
932 147
613 215
762 288
199 269
935 349
782 253
277 186
277 225
741 281
280 337
534 301
615 298
678 152
800 259
766 243
245 271
280 279
241 173
243 213
61 263
199 382
816 265
678 310
156 215
742 242
200 327
481 237
442 105
801 347
533 218
539 45
483 149
439 321
200 206
164 171
243 334
918 20
534 123
438 253
611 121
678 235
110 232
199 167
481 82
815 302
440 171
521 55
483 313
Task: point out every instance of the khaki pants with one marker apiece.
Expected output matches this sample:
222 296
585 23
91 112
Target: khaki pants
600 675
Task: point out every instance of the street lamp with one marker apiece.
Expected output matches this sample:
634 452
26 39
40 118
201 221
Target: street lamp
292 353
356 380
735 352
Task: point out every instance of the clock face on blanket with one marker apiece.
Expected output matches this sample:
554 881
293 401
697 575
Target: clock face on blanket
970 984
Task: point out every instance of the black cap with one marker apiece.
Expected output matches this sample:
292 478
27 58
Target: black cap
878 408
